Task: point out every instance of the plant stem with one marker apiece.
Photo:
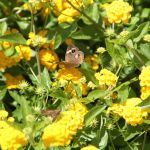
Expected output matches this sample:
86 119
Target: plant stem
38 64
123 136
144 141
32 18
111 141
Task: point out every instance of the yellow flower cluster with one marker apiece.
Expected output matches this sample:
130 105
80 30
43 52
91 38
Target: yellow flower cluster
92 60
132 113
10 137
118 11
48 58
66 12
7 62
145 82
61 132
105 77
72 74
89 147
24 52
75 76
35 40
13 82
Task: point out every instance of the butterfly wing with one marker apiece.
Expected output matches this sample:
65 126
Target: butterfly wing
73 57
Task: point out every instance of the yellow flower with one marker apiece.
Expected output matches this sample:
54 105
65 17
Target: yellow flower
147 38
132 113
24 52
6 45
100 50
13 82
89 147
10 137
93 61
105 77
7 62
70 89
118 11
3 114
48 58
65 11
60 133
68 18
115 109
72 74
35 40
145 82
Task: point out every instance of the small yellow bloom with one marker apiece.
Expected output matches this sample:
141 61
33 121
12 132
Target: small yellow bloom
10 119
89 147
13 82
48 58
147 38
24 52
92 60
118 11
6 45
105 77
3 114
145 82
36 40
7 62
100 50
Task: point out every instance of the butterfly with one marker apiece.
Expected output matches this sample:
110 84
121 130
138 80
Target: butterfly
73 57
51 113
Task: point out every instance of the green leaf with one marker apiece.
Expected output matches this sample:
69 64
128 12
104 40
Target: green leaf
130 136
92 113
10 51
93 13
24 104
59 94
102 138
114 52
3 91
88 73
123 92
45 78
13 38
140 31
87 33
3 28
62 33
145 103
145 13
78 90
145 50
95 94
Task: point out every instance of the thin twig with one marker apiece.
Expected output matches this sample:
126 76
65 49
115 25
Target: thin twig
144 141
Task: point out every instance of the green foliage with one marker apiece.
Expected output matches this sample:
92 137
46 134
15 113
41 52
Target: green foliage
125 54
